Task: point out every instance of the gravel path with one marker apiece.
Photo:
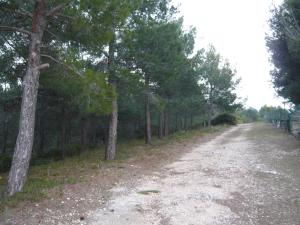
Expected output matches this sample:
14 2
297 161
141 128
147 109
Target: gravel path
248 175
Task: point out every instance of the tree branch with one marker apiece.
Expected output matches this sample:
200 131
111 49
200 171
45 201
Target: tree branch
52 34
19 11
66 16
8 28
24 12
56 10
62 63
43 66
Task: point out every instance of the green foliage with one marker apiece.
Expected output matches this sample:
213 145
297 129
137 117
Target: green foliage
248 115
96 94
272 114
224 118
284 47
217 80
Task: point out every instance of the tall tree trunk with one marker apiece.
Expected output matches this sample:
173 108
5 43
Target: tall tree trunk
110 152
148 136
23 148
111 148
83 132
182 123
185 122
166 123
69 128
95 141
176 122
63 133
161 124
209 117
210 108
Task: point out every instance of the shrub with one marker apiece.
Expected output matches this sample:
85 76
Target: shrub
225 118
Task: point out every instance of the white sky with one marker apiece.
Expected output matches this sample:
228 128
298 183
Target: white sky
237 29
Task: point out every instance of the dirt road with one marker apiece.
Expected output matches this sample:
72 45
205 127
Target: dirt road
248 175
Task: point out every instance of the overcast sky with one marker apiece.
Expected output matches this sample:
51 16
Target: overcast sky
237 29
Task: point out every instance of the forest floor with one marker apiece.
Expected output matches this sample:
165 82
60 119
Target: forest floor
248 174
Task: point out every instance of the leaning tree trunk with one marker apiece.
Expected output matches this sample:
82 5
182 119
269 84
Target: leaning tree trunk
111 148
147 112
23 148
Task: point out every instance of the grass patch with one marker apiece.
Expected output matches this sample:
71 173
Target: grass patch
72 170
148 192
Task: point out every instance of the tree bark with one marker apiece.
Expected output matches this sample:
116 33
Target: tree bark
166 123
23 148
95 141
161 124
209 117
182 123
110 152
185 122
63 134
176 122
69 128
83 132
111 148
148 136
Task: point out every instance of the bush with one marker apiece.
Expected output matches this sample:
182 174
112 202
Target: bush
224 118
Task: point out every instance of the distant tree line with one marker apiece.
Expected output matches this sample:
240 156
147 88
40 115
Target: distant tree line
248 115
78 74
